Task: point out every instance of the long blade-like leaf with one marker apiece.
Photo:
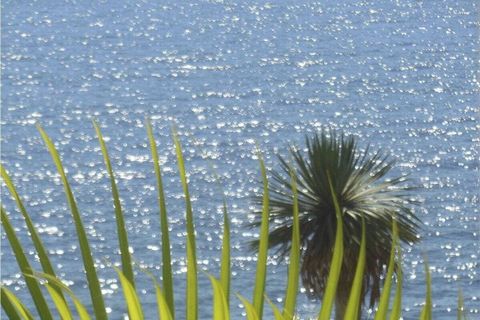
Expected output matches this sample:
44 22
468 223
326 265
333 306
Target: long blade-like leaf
162 305
397 302
220 307
354 302
61 304
25 268
336 264
460 306
261 274
131 297
163 308
426 313
81 310
226 262
92 278
166 253
192 290
387 287
294 266
13 307
121 230
277 314
249 308
37 242
8 306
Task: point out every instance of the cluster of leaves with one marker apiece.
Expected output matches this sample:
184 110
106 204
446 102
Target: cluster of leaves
67 304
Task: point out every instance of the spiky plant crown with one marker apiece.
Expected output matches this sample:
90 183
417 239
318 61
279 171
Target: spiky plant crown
362 189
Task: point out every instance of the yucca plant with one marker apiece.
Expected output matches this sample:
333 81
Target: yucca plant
365 196
68 306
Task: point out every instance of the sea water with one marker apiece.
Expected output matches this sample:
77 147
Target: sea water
401 76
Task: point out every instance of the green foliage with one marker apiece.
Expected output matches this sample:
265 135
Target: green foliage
336 265
58 291
122 232
385 297
261 274
294 266
192 290
354 303
166 258
92 278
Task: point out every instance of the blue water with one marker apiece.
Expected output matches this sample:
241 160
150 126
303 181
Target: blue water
401 75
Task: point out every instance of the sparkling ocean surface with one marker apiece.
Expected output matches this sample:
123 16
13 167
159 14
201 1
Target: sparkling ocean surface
400 75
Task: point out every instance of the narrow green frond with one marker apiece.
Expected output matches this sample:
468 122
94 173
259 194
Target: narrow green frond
25 268
337 258
276 312
427 308
220 307
13 307
8 307
294 266
62 306
37 242
261 274
460 306
131 298
397 302
354 302
249 308
163 308
53 281
92 278
162 305
387 287
121 230
166 252
192 290
226 262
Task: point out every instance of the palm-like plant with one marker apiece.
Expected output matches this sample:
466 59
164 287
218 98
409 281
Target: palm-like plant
362 189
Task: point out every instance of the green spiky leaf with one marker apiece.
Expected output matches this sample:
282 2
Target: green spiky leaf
336 265
121 229
192 290
92 278
166 253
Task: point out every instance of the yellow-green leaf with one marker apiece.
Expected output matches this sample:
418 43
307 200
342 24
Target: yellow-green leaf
121 230
42 253
354 302
166 254
387 287
336 264
261 274
131 298
192 290
249 308
81 310
19 311
25 268
397 302
426 313
294 265
61 304
92 278
276 312
220 307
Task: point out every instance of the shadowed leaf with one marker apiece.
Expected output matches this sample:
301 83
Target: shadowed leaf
25 268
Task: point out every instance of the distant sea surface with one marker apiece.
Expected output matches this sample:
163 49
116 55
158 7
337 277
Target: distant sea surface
401 76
